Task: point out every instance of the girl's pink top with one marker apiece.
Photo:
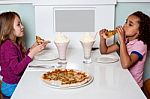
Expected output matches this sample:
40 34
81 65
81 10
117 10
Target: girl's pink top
139 48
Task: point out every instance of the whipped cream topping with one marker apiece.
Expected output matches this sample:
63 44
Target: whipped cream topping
61 38
87 37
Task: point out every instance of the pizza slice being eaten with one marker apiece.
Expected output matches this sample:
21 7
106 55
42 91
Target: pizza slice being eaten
109 34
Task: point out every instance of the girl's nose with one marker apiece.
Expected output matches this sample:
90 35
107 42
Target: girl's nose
22 26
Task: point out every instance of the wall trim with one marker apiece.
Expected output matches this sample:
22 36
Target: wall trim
134 1
15 1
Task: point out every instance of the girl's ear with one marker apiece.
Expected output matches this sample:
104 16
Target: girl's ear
138 33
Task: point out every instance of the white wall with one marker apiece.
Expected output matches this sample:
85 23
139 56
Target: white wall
45 17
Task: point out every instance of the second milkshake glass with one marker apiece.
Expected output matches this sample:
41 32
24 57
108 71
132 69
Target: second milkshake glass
87 47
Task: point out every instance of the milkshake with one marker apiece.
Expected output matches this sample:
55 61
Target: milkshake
61 43
87 42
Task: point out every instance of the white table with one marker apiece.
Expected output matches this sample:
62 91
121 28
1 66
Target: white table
110 81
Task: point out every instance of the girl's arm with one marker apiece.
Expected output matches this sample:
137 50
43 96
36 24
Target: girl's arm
13 59
104 49
17 64
126 59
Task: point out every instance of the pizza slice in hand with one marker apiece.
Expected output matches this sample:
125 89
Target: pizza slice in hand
39 40
109 34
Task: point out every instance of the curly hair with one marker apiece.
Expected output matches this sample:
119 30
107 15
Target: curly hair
144 27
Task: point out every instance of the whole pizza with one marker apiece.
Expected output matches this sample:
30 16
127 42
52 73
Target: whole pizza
66 78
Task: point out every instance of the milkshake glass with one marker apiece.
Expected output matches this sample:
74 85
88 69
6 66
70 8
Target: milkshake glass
61 42
62 49
87 46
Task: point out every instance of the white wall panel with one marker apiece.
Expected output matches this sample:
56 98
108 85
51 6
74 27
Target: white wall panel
44 19
73 2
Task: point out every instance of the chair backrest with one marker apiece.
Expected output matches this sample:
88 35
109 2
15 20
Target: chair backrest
147 67
1 96
146 88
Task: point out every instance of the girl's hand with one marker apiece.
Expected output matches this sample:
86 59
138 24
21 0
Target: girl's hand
36 49
34 45
102 33
121 33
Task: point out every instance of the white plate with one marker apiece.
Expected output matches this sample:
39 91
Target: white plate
72 87
107 59
57 86
46 55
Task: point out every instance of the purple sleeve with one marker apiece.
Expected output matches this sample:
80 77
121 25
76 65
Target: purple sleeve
28 51
16 62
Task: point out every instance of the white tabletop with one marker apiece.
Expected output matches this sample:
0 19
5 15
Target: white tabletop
110 81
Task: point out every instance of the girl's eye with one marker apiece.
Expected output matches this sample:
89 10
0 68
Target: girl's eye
130 24
18 24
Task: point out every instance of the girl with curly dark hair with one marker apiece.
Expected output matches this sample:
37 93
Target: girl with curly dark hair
133 44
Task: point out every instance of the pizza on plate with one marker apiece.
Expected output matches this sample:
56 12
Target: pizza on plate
66 78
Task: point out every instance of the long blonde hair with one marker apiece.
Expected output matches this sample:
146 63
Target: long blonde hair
6 28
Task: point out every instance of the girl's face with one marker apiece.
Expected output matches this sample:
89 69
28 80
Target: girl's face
131 27
18 27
